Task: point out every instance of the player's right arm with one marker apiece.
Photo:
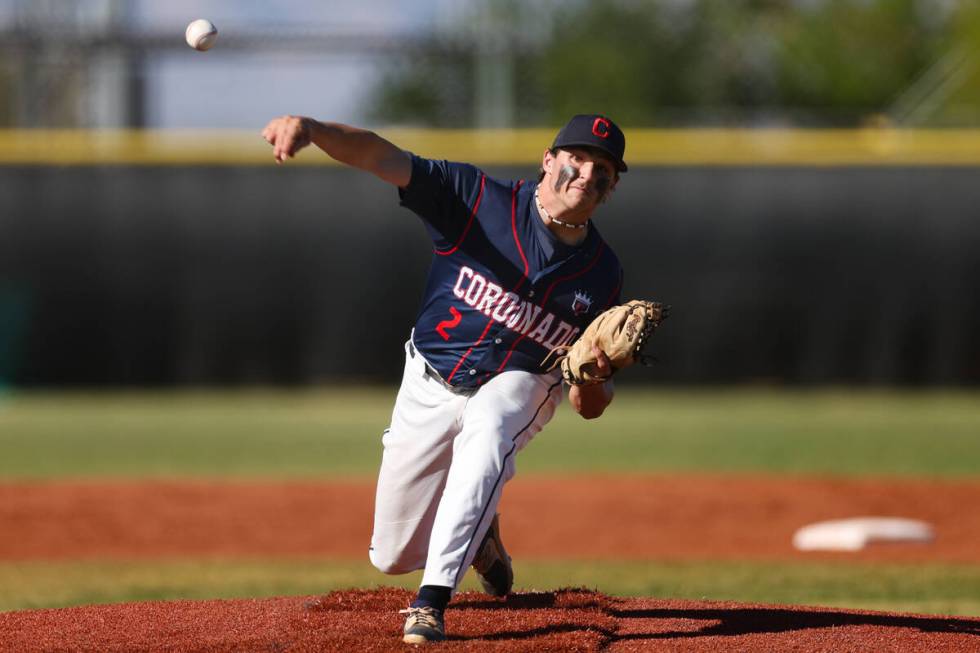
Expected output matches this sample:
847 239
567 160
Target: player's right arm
360 148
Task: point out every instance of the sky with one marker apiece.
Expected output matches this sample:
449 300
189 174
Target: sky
242 90
208 90
231 88
383 15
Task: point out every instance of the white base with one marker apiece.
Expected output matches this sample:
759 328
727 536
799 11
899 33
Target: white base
855 533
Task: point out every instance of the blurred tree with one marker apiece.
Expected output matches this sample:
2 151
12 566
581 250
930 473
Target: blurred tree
434 88
845 59
476 72
626 59
829 62
948 93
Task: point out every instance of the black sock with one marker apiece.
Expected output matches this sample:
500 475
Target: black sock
432 596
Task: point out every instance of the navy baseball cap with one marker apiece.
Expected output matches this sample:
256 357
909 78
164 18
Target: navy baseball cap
594 130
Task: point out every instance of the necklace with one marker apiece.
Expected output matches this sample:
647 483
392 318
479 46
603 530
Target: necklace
537 200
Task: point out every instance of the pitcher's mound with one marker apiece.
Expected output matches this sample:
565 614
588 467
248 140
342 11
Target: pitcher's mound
564 620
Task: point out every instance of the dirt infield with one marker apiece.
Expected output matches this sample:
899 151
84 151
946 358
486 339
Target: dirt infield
568 620
661 517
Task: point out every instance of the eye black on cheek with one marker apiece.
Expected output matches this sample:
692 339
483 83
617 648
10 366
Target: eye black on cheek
566 174
602 185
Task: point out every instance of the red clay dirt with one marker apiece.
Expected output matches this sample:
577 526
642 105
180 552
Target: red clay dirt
662 517
657 517
566 620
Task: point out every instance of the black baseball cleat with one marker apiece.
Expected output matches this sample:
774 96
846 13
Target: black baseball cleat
492 564
423 625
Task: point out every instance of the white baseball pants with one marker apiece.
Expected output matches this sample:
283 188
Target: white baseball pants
446 459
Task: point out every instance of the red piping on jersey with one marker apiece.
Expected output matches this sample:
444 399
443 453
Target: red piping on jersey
469 223
544 300
619 287
520 250
517 240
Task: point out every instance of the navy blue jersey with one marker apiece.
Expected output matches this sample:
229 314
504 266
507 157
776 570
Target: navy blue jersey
502 291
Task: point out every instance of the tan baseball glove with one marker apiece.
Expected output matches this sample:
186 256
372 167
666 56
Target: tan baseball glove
620 332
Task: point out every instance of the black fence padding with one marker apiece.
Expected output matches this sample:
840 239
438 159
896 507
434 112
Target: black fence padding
294 275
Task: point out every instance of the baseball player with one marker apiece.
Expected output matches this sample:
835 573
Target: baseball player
518 271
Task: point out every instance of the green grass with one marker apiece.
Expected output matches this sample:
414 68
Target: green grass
336 432
331 432
922 588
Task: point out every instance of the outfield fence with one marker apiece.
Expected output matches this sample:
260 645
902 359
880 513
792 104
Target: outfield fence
788 258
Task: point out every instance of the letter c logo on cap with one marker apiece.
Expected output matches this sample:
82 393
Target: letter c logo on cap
601 128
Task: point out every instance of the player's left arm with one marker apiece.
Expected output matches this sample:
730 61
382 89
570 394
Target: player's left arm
590 401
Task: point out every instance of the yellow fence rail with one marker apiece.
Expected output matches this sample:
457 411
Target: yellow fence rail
645 147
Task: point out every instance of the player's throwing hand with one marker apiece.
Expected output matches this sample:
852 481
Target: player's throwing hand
287 135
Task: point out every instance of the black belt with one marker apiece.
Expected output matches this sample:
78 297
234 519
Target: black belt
433 374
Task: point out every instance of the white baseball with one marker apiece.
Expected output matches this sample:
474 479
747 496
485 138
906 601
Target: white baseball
201 34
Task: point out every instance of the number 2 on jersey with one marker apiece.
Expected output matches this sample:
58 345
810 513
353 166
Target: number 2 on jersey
445 325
